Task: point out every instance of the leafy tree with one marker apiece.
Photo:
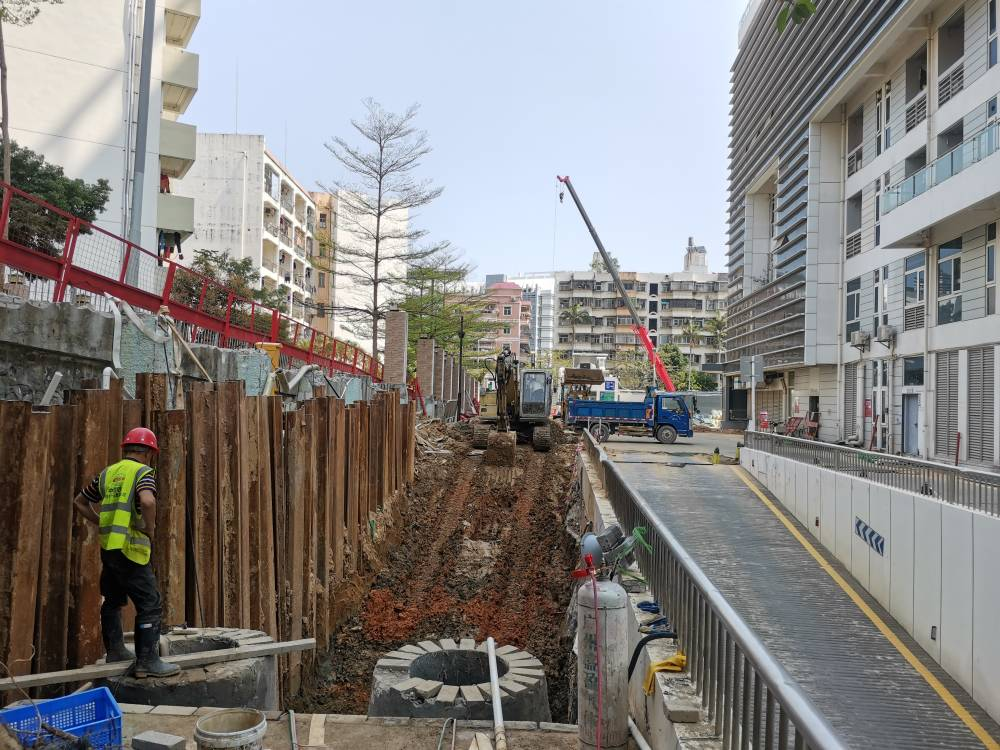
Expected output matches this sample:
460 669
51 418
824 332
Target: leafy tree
597 264
375 205
13 13
38 228
575 315
677 365
239 277
794 11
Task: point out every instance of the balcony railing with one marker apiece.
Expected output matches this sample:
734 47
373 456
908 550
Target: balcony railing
288 202
285 237
271 228
854 160
916 113
983 144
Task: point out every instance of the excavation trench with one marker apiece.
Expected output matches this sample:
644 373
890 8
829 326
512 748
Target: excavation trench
482 552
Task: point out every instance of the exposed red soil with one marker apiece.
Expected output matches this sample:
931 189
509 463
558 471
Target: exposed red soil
483 552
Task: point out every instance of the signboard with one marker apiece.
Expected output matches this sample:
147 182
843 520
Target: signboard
609 385
762 421
607 396
752 368
868 407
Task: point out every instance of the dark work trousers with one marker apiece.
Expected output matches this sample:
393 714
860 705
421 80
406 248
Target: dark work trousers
122 579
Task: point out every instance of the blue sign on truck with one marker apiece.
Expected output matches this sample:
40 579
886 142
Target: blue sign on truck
609 385
665 416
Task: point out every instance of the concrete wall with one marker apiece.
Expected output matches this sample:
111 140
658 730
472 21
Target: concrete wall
925 574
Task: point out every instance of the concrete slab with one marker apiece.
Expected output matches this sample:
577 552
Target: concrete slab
447 694
392 663
467 644
401 656
512 687
471 694
429 646
449 644
429 688
410 648
504 650
406 685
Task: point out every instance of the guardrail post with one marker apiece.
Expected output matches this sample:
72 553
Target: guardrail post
275 324
8 193
168 284
69 249
229 311
312 344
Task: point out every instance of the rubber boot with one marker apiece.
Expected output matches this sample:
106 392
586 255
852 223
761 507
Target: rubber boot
114 639
149 663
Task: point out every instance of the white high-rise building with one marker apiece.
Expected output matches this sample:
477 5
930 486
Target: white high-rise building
864 203
249 206
74 95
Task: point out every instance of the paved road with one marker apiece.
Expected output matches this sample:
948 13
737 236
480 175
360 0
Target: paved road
851 672
626 449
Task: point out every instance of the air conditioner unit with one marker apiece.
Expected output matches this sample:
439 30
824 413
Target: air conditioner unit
859 339
885 334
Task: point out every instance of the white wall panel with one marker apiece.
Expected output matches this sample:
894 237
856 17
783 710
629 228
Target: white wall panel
788 496
859 547
900 551
986 613
802 493
878 565
845 520
828 514
815 499
927 573
956 594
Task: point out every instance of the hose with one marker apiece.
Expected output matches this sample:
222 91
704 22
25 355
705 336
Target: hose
640 741
597 655
292 734
444 729
642 644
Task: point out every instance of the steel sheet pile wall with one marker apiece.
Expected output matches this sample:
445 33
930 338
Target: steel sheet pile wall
261 516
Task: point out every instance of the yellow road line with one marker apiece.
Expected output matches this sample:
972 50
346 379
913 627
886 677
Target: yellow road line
944 693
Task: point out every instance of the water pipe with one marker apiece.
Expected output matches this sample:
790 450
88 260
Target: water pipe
499 735
640 741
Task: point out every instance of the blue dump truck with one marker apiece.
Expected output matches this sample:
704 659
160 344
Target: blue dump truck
662 415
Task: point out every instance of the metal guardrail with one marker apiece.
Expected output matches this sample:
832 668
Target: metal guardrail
750 698
968 488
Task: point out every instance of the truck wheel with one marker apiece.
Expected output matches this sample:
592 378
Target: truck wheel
480 436
541 438
666 434
601 432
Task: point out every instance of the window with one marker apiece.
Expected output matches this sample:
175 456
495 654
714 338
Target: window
913 371
322 220
949 282
322 280
506 310
991 269
881 298
506 330
914 281
991 53
563 338
878 210
853 306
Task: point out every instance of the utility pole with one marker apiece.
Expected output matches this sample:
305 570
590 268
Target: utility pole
461 356
141 135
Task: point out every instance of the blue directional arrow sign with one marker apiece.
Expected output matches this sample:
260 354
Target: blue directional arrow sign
874 540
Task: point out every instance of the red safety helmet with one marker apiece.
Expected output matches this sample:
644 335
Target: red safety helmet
141 436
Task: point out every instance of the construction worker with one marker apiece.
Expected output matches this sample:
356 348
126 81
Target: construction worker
125 494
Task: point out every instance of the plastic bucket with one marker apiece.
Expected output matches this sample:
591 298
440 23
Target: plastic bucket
231 729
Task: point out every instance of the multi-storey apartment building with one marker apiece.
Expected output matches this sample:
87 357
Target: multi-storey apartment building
508 311
74 94
593 322
863 211
538 289
325 262
249 206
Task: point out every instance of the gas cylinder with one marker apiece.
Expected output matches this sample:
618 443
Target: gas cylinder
608 653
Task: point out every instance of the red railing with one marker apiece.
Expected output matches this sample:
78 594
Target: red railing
66 258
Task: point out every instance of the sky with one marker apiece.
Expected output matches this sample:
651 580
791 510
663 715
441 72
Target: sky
629 98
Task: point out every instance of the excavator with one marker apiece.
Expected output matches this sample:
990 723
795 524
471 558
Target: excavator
519 407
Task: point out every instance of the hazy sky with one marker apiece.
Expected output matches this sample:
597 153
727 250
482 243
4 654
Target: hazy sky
630 98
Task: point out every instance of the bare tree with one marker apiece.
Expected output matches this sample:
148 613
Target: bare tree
13 13
375 240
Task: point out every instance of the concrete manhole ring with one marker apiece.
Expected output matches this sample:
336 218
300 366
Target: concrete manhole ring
236 684
438 679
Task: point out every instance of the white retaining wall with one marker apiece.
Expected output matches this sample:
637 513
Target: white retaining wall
939 568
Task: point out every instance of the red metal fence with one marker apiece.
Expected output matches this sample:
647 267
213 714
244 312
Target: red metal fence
64 258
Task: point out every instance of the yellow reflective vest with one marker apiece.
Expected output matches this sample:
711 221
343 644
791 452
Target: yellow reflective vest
119 522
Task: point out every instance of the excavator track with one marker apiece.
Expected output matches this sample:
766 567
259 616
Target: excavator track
480 436
541 438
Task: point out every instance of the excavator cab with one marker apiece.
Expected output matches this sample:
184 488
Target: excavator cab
521 409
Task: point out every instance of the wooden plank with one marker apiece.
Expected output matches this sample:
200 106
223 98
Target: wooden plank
279 518
263 521
411 448
25 458
339 512
115 407
309 502
255 555
185 661
234 535
203 572
295 545
324 523
151 391
169 547
352 477
92 438
52 622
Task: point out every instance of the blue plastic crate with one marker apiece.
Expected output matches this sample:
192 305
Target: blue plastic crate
92 714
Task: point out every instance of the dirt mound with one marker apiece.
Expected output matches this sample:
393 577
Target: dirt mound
483 552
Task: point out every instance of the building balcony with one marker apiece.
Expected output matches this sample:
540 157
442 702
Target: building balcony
180 19
952 194
175 213
178 147
180 79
